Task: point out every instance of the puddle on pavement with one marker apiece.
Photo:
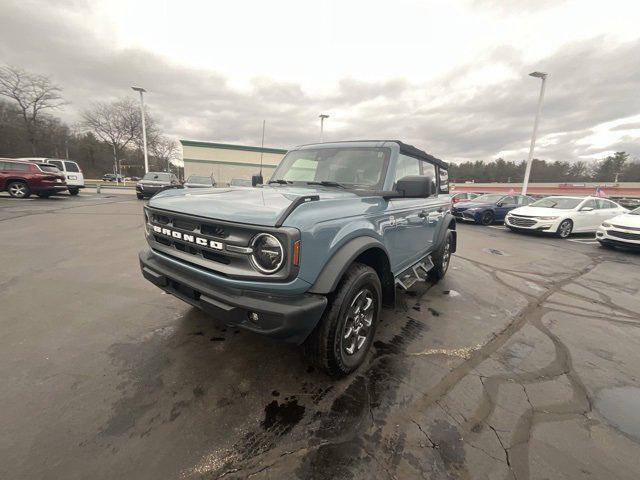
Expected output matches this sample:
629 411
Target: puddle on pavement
495 251
620 406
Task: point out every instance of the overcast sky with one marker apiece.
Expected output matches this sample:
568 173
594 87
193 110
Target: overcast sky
449 77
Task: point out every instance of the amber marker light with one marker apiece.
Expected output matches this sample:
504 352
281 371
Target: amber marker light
296 253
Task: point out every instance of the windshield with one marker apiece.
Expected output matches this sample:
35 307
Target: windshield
350 166
635 212
489 198
199 179
158 176
557 202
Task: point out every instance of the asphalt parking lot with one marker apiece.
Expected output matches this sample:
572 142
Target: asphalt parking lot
523 363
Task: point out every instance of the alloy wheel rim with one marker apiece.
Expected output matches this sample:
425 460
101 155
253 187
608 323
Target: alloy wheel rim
18 190
446 256
565 229
357 325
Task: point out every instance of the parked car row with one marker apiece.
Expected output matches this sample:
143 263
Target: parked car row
22 178
612 223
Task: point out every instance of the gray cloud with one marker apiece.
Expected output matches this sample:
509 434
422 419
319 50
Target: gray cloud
590 82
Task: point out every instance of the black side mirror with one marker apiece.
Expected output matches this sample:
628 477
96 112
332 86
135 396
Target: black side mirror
415 186
256 180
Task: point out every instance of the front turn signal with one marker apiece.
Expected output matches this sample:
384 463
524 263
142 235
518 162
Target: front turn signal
296 253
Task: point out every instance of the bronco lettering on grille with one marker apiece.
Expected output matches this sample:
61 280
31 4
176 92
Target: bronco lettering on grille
185 237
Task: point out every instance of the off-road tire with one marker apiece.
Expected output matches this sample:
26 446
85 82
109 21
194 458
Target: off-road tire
487 218
440 267
21 192
324 348
74 191
561 232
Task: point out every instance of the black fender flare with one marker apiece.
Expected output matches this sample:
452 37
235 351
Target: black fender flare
335 268
448 223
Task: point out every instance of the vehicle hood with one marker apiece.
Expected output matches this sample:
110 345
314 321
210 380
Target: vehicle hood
626 220
467 205
256 206
540 211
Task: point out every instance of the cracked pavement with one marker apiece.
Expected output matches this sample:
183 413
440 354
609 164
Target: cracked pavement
522 364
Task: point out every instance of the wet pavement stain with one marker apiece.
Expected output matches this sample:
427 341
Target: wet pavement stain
433 312
282 417
621 407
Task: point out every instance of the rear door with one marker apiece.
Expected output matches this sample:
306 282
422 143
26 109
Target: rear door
73 173
4 174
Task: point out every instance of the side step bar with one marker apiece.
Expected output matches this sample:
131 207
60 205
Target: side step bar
411 275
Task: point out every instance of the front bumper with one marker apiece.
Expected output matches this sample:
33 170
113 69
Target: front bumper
149 191
531 223
287 318
52 188
618 236
466 215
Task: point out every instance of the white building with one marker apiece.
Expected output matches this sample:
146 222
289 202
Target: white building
226 162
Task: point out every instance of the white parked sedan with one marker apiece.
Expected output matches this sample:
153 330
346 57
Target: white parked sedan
623 230
563 215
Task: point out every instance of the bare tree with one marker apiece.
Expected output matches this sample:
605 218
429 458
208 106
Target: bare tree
116 123
165 149
33 93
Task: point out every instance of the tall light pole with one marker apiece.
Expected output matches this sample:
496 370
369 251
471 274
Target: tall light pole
144 129
543 77
322 117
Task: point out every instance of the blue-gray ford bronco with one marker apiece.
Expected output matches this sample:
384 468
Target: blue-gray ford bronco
313 255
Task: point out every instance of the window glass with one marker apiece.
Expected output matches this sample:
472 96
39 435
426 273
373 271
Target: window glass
590 204
56 163
157 176
71 166
610 204
352 166
4 166
45 167
561 203
429 170
522 200
17 167
406 166
509 200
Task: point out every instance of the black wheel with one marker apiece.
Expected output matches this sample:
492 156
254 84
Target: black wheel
442 258
340 342
74 191
19 189
565 228
44 195
487 218
140 196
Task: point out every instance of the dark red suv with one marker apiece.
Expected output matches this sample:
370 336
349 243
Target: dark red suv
21 178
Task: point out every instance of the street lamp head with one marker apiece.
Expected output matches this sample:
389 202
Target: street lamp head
538 74
138 89
322 115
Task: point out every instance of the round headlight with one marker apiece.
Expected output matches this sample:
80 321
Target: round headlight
268 253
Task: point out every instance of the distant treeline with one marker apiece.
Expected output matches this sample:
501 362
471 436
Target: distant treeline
617 166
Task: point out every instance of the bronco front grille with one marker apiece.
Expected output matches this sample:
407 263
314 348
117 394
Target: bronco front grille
216 245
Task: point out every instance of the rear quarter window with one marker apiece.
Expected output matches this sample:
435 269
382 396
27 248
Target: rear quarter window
17 167
71 166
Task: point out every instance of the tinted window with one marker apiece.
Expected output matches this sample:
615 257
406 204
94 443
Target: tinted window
508 200
522 200
17 167
406 166
71 166
429 170
48 168
56 163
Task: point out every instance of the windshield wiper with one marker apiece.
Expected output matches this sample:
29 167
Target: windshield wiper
280 181
327 183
